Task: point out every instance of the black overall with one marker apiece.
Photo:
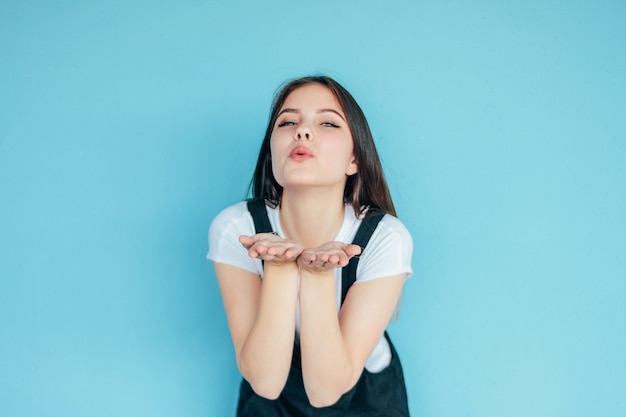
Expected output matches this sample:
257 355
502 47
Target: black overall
381 394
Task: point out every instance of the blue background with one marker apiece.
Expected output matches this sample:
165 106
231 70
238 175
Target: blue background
125 126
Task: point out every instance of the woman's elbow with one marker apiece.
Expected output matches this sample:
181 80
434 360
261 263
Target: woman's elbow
269 391
327 394
324 399
265 384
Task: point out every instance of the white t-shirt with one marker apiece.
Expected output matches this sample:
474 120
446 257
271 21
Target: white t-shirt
388 253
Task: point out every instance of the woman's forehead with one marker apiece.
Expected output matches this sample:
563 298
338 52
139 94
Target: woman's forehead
312 96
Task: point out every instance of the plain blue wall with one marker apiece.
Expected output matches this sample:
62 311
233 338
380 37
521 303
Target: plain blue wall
125 126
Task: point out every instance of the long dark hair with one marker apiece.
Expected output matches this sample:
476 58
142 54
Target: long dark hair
366 188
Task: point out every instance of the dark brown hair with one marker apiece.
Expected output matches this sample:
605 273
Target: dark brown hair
366 188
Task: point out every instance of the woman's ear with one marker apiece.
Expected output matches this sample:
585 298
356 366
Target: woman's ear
352 168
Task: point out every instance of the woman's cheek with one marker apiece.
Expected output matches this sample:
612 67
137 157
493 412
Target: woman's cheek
278 149
276 172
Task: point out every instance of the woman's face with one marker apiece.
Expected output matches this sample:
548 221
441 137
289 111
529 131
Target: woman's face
311 143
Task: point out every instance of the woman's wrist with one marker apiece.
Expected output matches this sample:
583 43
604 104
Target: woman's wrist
322 275
281 268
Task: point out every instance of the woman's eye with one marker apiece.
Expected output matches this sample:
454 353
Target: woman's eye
286 123
330 124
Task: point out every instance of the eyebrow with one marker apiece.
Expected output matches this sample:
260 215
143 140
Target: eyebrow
289 110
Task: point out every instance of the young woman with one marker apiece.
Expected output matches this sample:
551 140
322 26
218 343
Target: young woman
307 323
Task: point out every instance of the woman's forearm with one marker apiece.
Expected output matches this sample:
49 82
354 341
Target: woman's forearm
265 356
326 365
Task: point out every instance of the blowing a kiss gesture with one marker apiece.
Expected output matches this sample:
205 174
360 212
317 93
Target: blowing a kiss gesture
278 251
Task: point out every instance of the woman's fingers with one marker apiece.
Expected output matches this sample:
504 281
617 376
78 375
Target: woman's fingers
270 247
328 256
246 241
352 250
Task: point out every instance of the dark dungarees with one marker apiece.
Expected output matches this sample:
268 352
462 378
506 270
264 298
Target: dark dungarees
381 394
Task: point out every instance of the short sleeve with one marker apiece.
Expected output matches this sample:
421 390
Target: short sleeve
224 232
388 253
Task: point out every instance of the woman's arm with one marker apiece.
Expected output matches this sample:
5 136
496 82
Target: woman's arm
261 313
335 349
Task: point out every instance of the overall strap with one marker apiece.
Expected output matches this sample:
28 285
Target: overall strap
256 207
363 235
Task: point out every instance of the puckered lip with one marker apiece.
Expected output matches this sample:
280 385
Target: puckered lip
300 151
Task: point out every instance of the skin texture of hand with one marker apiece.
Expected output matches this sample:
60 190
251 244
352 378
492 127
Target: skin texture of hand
327 257
271 248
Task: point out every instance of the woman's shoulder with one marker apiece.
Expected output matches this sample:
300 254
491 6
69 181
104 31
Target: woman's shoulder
232 215
392 222
224 232
389 251
233 211
390 225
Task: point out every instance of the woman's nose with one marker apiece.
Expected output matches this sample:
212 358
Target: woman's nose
303 133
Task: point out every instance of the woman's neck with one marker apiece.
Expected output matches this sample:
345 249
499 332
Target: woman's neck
311 218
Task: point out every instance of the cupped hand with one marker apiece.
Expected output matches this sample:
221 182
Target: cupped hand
271 248
327 257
